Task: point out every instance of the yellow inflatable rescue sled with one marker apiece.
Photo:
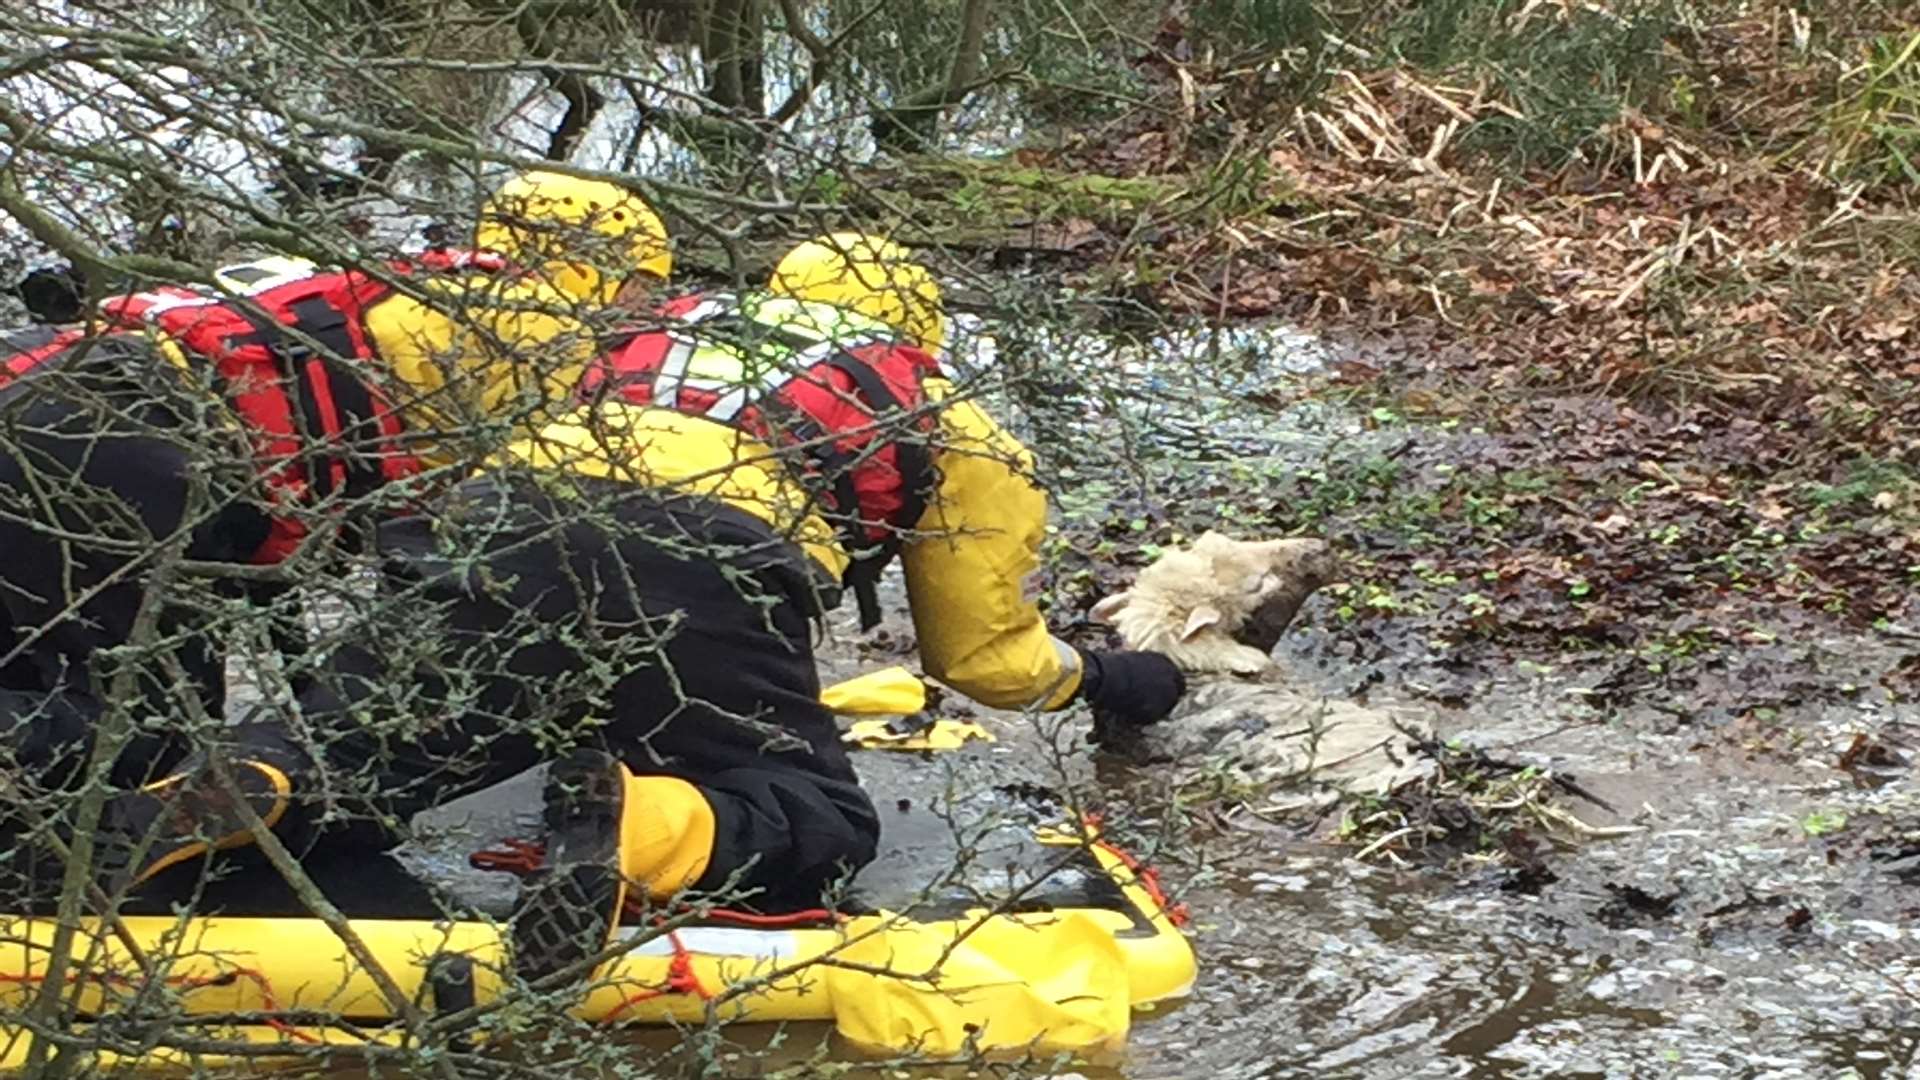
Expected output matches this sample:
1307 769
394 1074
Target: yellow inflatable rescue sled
162 992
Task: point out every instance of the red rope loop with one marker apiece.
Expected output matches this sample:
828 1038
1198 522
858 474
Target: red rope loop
1147 877
681 979
513 856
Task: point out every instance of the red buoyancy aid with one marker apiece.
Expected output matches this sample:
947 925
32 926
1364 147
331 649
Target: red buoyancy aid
855 402
287 359
30 355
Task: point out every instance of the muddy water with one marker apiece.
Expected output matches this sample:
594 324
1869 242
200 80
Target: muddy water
1756 926
1316 964
1742 932
1753 950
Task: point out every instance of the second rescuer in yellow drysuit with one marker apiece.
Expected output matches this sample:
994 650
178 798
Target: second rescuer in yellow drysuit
968 556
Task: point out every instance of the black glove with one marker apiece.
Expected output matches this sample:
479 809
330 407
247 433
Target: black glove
1130 689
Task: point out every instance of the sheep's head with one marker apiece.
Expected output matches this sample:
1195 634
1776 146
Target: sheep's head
1219 605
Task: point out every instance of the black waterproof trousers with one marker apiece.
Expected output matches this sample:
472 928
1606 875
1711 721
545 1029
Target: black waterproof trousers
524 616
105 461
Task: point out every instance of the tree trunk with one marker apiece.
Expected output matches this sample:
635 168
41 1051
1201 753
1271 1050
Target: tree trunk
720 48
750 47
913 124
536 28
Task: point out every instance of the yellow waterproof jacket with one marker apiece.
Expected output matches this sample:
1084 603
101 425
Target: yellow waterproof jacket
968 563
971 561
479 348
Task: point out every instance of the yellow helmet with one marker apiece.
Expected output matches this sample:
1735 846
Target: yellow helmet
588 234
870 275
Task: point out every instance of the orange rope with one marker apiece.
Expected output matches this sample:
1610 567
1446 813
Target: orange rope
1147 876
189 983
266 998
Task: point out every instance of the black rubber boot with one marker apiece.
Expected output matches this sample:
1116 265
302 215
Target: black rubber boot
570 909
187 815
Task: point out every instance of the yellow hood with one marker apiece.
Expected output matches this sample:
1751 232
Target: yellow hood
479 349
662 449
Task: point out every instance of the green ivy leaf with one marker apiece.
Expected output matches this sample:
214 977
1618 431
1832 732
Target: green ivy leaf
1822 822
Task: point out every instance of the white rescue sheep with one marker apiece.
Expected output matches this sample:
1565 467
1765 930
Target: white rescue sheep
1217 608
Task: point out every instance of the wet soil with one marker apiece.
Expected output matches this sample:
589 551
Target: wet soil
1761 922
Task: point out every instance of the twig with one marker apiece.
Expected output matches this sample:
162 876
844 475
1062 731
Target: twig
316 901
1385 840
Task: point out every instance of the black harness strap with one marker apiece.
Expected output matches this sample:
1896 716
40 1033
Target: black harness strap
295 362
911 458
836 466
287 363
915 466
352 397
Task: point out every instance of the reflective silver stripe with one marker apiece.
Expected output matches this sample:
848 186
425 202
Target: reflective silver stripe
729 405
672 375
735 395
1069 658
161 303
707 309
731 401
277 271
673 371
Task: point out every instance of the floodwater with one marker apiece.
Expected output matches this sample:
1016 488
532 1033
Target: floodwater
1761 952
1739 933
1760 924
1757 956
1723 939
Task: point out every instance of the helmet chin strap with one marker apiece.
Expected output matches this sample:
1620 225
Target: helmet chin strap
637 291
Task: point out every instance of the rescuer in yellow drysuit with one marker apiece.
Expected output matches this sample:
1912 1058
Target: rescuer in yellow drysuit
243 414
731 466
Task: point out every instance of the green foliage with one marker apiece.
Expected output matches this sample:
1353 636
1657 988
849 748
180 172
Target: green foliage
1272 26
1822 822
1865 479
1565 74
1568 78
1875 128
897 47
